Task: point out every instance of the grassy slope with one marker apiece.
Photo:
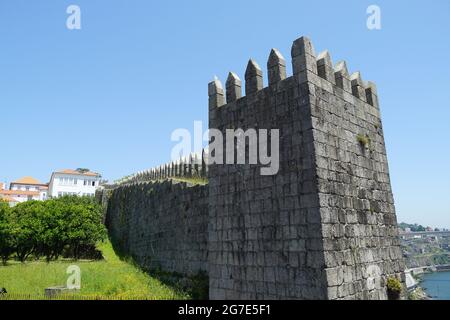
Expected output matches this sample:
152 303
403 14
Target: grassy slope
110 278
193 180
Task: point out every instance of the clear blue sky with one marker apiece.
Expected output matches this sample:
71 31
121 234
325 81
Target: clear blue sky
108 96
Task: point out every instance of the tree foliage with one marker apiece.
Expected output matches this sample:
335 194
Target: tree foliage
414 227
67 226
6 243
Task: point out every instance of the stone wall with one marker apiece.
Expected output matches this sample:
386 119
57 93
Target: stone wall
324 226
265 231
162 225
359 226
192 166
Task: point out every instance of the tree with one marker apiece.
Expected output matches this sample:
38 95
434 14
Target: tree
83 224
6 243
26 228
68 225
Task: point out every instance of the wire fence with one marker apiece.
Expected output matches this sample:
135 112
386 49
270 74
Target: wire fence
19 296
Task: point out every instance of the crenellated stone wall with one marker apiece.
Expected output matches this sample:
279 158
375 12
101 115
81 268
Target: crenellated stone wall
193 166
162 225
323 227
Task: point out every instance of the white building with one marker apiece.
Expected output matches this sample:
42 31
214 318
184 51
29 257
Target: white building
24 189
5 197
73 182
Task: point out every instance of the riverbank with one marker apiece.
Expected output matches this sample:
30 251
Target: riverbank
418 294
436 285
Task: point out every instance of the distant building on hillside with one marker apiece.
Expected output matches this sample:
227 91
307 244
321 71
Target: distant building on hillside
11 201
30 184
73 182
24 189
4 197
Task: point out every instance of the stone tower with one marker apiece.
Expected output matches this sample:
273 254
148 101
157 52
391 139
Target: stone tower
324 226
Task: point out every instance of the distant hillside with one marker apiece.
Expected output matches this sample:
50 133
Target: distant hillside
414 227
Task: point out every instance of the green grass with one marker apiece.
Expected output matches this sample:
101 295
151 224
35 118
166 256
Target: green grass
110 278
193 180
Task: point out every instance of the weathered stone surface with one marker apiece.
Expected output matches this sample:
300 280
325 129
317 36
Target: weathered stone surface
323 227
162 225
54 292
328 215
233 87
276 67
253 77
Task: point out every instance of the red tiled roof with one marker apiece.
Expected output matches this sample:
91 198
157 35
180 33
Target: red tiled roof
18 192
7 198
27 180
70 171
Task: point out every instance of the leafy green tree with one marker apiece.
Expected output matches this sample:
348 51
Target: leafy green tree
83 224
26 228
68 225
6 242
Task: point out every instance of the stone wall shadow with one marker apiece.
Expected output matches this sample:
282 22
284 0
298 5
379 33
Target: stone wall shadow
195 286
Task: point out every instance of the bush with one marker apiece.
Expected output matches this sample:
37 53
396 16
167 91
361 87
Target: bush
24 229
394 288
363 140
69 225
6 242
394 285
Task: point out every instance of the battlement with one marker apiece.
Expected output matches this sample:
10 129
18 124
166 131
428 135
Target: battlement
193 166
322 227
306 66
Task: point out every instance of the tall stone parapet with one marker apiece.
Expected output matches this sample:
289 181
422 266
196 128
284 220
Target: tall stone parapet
324 226
253 77
303 59
192 166
233 87
276 67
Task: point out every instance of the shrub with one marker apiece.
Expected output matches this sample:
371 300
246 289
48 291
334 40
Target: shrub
69 225
6 243
394 285
25 229
363 140
394 288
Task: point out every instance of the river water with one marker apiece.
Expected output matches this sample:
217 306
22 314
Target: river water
437 285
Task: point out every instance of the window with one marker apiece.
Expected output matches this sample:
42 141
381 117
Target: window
75 181
93 183
60 194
